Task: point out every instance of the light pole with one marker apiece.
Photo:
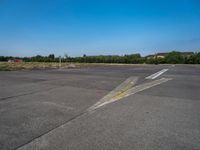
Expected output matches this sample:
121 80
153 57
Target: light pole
60 61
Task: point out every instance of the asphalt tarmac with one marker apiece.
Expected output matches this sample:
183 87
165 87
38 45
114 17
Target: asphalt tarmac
111 107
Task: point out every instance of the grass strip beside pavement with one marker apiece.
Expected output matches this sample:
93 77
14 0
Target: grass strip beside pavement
7 66
12 66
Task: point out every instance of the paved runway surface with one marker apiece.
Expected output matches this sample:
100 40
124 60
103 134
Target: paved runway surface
75 109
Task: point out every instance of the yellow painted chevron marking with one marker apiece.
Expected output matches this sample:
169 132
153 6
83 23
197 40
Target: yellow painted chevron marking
126 91
117 93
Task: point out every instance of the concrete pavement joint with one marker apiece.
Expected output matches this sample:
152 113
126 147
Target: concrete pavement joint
47 132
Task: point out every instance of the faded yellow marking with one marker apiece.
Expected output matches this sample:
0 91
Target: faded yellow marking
122 92
128 86
119 95
127 91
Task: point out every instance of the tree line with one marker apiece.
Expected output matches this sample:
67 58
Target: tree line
170 58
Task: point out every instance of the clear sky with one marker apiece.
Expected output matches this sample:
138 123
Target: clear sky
93 27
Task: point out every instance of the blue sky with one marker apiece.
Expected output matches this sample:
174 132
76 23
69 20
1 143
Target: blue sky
94 27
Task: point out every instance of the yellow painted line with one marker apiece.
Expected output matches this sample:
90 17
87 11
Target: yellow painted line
119 95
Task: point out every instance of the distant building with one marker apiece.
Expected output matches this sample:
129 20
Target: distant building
15 60
10 60
160 55
18 60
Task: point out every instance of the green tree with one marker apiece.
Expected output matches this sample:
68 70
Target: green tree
174 58
52 56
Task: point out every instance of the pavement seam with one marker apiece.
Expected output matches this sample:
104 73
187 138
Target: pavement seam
31 93
56 127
